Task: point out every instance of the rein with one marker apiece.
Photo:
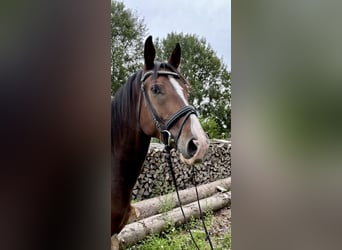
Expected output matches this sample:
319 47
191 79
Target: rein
166 138
167 150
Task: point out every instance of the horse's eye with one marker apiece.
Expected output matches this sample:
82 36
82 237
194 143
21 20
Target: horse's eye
155 89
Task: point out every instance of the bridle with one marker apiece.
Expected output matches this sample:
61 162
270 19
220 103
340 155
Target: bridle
166 137
161 125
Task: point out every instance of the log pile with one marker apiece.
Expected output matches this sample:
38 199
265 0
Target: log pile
155 178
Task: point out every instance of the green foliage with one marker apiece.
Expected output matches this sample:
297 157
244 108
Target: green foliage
167 204
210 81
208 76
210 126
226 242
127 46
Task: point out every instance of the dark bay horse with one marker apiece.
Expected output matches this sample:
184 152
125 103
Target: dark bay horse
152 103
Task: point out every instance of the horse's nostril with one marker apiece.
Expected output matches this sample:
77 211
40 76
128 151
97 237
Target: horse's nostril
192 148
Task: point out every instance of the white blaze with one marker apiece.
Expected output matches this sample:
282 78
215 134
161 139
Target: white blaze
196 128
178 89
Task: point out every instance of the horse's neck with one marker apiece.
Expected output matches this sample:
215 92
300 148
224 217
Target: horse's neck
129 155
133 147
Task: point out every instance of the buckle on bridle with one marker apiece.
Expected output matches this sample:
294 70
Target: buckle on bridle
166 137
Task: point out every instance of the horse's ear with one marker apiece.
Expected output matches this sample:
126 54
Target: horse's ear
149 53
175 57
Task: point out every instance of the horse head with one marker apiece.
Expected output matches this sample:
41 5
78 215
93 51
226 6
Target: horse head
164 109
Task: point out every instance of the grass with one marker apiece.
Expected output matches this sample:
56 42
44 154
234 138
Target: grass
167 203
179 238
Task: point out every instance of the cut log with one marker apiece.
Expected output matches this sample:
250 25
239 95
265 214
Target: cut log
137 231
154 205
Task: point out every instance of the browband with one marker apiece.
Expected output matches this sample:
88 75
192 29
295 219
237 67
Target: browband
159 72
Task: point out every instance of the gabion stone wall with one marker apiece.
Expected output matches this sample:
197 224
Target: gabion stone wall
155 178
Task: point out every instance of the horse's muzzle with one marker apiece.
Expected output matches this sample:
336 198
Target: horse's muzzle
195 151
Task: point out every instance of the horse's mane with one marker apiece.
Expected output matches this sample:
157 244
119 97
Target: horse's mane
124 104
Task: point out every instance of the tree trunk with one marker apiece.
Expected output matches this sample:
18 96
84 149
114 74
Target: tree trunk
166 202
136 231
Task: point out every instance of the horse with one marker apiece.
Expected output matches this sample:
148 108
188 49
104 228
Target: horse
152 103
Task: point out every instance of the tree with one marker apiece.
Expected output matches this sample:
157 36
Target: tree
209 79
128 32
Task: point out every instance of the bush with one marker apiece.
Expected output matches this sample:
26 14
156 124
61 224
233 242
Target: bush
213 130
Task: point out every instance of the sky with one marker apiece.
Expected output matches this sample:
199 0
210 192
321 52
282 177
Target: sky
210 19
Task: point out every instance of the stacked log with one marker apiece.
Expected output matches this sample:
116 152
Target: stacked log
155 178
